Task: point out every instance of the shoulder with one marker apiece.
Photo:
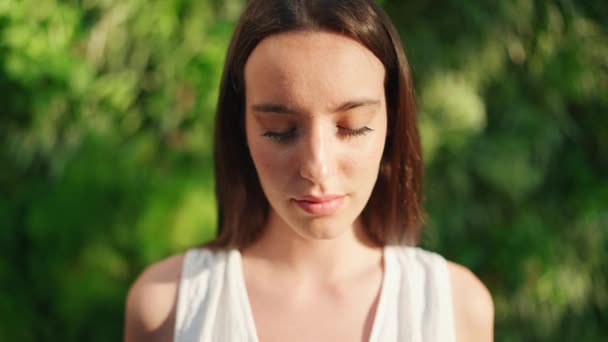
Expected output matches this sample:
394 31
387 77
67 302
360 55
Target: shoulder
151 302
473 305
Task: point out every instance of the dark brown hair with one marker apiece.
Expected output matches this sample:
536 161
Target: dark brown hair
393 212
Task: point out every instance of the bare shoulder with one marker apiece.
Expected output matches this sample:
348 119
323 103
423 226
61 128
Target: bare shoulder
473 305
151 302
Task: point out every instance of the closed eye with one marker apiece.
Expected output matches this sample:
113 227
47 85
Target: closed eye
280 136
347 132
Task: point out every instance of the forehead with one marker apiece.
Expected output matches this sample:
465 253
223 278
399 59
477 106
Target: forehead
312 69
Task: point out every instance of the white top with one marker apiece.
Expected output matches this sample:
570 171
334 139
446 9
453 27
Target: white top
415 302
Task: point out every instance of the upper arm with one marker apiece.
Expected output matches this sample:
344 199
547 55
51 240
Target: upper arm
151 302
473 306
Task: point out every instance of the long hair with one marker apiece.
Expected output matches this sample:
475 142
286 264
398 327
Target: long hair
393 213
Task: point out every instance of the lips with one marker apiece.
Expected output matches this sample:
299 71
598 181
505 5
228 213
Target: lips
320 205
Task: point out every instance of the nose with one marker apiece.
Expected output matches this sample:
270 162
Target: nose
316 155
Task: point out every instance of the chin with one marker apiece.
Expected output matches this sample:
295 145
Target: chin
322 228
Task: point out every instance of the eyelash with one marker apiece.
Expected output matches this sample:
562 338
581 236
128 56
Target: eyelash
347 133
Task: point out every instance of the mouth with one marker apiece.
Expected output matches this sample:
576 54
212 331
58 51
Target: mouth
320 205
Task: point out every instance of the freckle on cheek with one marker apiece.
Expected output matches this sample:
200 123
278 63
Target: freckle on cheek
267 161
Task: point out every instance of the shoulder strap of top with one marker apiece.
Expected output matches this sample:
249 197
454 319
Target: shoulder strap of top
211 299
202 276
426 280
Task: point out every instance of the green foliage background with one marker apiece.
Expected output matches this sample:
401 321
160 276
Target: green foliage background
106 111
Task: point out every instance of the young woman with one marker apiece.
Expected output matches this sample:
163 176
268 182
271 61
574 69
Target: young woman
318 172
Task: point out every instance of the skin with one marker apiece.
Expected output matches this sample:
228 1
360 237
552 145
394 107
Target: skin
316 125
303 83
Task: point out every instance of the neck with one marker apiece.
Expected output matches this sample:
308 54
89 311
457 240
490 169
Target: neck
282 248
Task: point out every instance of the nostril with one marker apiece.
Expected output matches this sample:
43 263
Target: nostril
314 170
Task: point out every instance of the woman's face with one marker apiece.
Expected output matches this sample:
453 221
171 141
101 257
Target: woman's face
316 127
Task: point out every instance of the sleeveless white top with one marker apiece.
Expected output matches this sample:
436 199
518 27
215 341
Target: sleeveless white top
415 303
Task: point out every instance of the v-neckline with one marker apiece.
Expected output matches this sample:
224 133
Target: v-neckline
378 315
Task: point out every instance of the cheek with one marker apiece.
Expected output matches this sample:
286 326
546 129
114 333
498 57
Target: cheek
270 162
272 165
364 157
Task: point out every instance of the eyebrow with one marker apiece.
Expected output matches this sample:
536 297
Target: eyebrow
285 109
